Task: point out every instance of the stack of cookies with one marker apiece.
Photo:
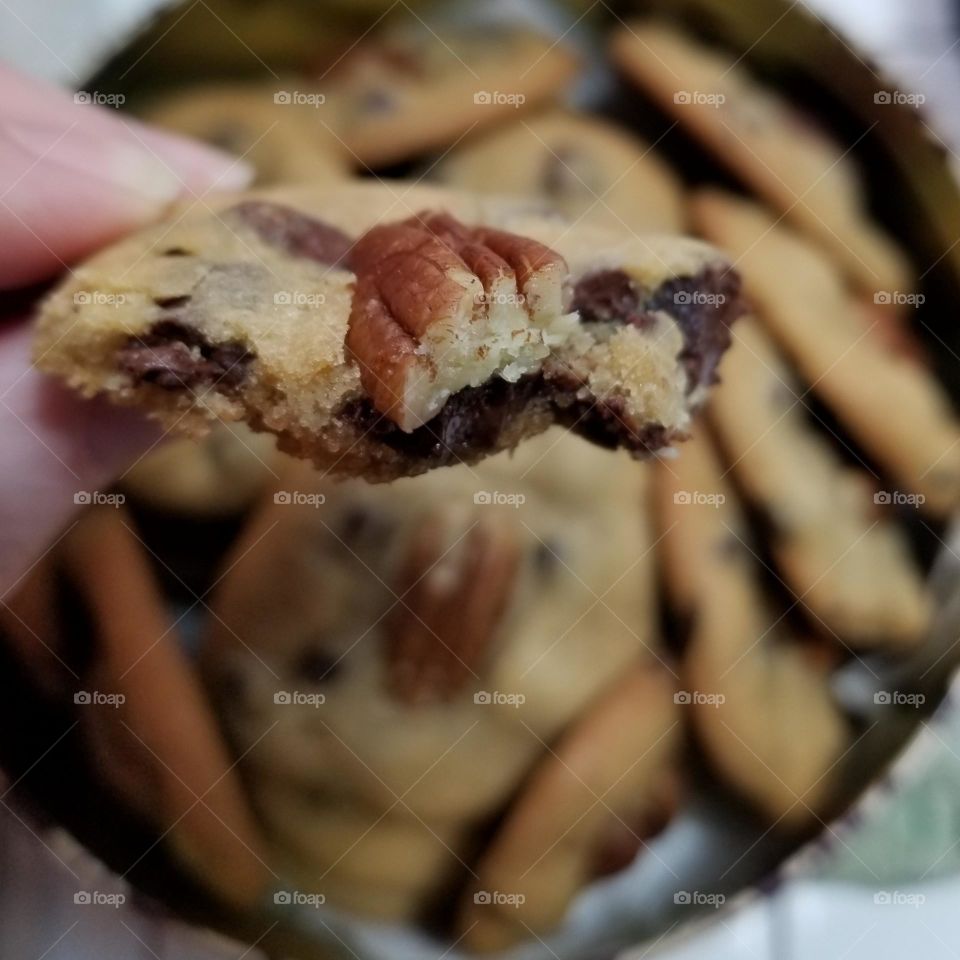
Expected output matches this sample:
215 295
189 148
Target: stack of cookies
454 697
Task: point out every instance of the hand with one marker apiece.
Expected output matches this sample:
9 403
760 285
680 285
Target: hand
72 177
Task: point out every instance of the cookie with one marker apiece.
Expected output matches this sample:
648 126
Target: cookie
780 154
760 706
408 650
412 88
220 474
849 565
147 723
284 141
608 779
587 168
442 344
891 404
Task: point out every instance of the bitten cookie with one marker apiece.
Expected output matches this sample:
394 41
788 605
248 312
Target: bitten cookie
408 328
848 564
585 167
605 789
411 88
796 167
759 701
892 405
286 142
406 652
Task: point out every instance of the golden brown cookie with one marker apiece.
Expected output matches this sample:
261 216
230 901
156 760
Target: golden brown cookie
386 330
408 650
146 719
760 705
848 563
796 167
411 87
892 405
585 167
285 141
609 777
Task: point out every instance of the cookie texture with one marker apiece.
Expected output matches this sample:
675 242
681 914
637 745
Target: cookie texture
586 168
758 699
409 88
389 661
849 564
255 312
780 154
890 402
285 141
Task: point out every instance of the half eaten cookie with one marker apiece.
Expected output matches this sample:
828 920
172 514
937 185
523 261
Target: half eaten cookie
385 329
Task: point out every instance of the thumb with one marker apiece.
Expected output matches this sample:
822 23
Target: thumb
76 175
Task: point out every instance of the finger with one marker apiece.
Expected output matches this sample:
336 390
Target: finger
75 175
57 450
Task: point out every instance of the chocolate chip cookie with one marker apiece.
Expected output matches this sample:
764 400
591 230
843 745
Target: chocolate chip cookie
585 167
407 651
285 141
385 330
760 703
850 565
411 88
891 403
781 155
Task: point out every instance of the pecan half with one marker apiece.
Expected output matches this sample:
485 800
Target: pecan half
451 601
439 306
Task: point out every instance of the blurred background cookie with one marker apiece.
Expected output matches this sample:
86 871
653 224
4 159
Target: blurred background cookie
585 167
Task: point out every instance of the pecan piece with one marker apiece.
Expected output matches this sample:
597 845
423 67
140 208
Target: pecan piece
439 306
451 602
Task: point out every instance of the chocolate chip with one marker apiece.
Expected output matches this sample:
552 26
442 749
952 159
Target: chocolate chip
175 356
171 303
292 231
610 296
176 252
704 305
316 666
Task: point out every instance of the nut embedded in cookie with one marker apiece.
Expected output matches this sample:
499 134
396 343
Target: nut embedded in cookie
439 306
